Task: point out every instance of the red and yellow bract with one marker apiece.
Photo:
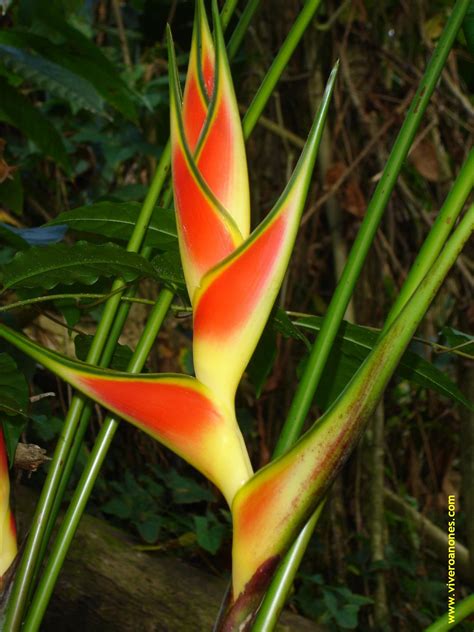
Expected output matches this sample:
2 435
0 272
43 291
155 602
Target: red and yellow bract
8 543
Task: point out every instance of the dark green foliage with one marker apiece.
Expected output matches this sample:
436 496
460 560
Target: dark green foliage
144 503
14 400
116 220
13 388
335 606
83 262
47 75
353 345
17 110
169 269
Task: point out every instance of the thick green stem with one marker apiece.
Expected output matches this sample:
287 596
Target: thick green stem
275 598
270 609
105 360
311 465
30 557
462 610
241 28
227 12
91 471
317 360
279 64
438 234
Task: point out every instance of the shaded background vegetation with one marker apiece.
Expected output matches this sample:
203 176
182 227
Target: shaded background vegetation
99 139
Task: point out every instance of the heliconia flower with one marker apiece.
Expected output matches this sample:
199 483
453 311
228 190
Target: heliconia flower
235 298
176 410
210 179
233 284
8 541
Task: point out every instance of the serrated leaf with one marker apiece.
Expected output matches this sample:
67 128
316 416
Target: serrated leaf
50 76
117 220
82 262
16 110
169 268
74 51
353 344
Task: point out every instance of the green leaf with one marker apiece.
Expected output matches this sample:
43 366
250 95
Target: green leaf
353 344
120 359
74 51
468 27
209 533
17 111
47 266
12 429
263 359
459 340
11 193
117 220
48 75
9 237
284 325
347 617
186 490
150 528
14 400
168 267
13 387
118 507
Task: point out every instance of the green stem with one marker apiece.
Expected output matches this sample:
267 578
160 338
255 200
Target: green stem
51 297
227 12
275 598
462 610
279 64
105 360
437 236
90 473
28 563
318 356
241 28
349 414
80 295
270 609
